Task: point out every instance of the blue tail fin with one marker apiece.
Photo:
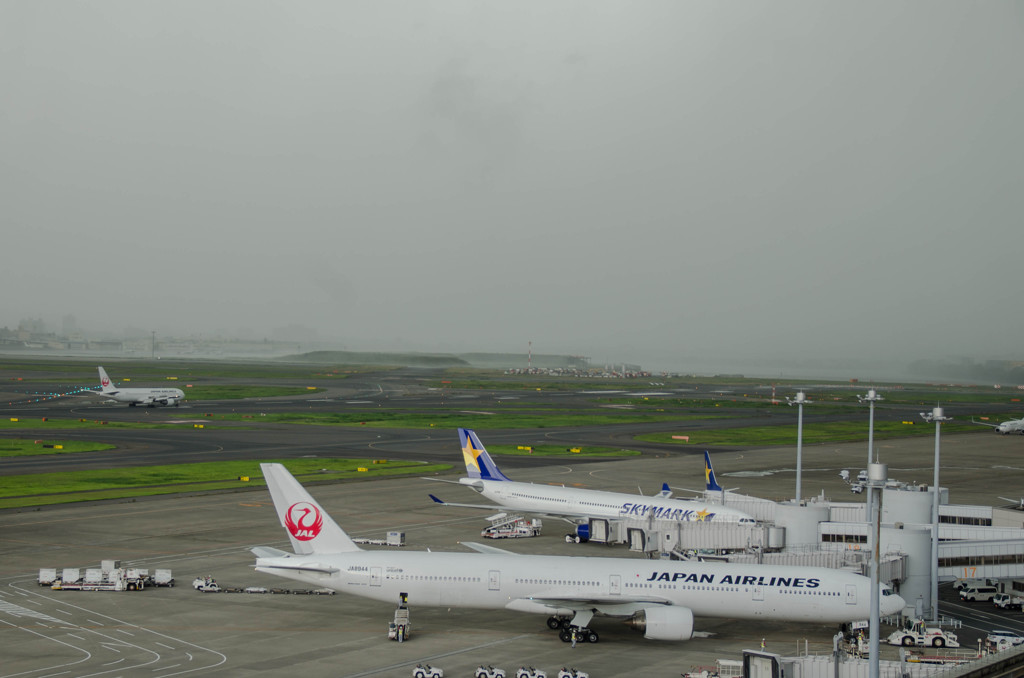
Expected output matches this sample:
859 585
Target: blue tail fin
709 475
478 463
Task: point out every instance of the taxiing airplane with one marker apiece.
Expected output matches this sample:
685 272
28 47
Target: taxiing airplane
575 505
661 598
1008 426
150 397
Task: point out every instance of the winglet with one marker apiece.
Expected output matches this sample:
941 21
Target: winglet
479 464
709 475
309 527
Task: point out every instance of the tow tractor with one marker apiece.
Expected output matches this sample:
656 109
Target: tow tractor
530 672
488 672
398 629
920 635
427 671
572 672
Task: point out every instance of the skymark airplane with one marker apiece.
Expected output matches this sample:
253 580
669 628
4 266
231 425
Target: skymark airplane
1008 426
579 506
150 397
658 597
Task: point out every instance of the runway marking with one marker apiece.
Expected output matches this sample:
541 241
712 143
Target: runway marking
19 611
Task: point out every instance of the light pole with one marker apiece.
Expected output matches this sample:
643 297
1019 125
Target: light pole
799 400
938 418
877 475
871 398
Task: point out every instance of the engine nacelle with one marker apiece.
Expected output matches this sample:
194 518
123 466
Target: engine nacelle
664 622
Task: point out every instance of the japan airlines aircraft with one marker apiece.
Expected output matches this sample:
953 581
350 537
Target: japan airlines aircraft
658 597
150 397
576 505
1008 426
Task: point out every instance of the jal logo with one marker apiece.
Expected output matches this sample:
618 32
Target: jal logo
105 381
303 521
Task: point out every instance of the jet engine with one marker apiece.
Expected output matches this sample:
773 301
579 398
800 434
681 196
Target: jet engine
664 622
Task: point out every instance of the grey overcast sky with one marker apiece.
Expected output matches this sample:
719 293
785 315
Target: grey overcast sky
645 181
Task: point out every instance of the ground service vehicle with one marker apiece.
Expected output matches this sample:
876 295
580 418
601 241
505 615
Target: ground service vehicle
399 628
427 671
975 593
960 584
530 672
1006 601
488 672
572 672
1005 636
924 636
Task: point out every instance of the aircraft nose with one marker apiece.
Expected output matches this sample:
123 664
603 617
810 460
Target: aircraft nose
892 604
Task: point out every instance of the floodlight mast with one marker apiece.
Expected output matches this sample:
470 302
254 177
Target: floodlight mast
871 398
799 400
936 415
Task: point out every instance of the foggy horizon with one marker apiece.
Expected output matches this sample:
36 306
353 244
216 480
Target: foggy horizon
655 182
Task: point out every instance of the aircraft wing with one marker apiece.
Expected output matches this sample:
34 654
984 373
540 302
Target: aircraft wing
584 608
983 423
568 516
484 548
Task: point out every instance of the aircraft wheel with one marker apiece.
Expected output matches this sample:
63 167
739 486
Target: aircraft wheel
565 636
568 539
591 637
577 539
554 623
566 623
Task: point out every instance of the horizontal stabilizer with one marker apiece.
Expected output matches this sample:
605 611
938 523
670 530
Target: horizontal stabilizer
268 552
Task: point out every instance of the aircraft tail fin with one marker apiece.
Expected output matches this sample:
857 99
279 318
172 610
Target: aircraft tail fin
709 475
309 527
105 384
479 464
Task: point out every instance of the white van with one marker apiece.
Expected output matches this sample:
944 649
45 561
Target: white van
975 593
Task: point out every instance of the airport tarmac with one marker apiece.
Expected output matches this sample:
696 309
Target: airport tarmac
177 631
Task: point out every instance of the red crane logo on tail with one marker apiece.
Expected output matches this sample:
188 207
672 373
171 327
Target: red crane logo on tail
105 381
303 521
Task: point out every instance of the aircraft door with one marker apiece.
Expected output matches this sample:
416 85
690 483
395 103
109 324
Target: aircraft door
494 580
615 584
851 594
757 592
375 576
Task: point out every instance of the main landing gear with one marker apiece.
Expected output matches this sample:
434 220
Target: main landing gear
566 631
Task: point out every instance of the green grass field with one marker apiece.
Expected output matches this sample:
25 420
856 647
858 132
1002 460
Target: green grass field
61 488
20 447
